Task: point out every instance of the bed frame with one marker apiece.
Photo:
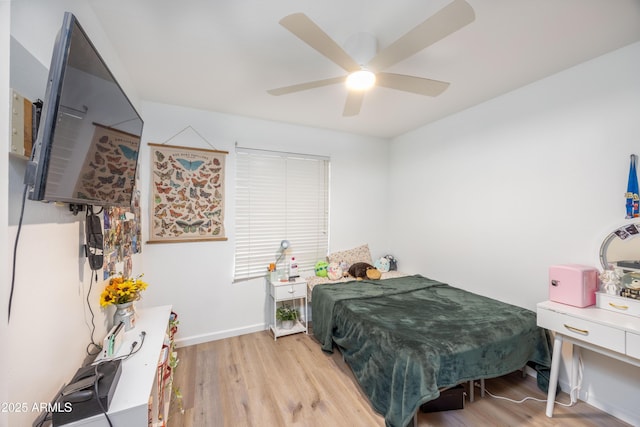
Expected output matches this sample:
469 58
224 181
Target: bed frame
405 339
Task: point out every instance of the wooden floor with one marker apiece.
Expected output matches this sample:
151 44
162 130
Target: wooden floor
252 380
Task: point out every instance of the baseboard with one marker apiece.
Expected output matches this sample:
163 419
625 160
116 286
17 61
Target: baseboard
214 336
618 412
615 411
610 408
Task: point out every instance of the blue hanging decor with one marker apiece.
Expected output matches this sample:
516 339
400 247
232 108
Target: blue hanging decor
632 190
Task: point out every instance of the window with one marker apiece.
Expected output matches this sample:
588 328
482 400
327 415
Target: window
280 196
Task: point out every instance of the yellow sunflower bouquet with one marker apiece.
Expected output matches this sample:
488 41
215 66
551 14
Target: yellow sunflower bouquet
121 290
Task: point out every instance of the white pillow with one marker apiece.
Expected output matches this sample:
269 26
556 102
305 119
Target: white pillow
352 256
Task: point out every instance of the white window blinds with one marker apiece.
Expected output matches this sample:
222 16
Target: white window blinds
280 196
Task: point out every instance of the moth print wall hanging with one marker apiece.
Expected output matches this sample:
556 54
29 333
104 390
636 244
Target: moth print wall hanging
187 191
109 170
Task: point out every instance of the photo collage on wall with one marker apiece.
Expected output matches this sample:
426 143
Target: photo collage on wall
122 237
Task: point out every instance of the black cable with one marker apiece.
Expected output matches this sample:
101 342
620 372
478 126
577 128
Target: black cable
134 349
97 396
15 252
93 325
47 417
95 371
89 212
143 334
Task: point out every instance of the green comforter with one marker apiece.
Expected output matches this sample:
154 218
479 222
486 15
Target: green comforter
407 337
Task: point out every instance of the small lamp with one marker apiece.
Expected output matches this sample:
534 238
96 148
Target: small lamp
284 245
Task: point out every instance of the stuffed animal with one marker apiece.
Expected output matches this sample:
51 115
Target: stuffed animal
393 264
382 264
345 268
359 270
373 273
334 271
363 270
321 268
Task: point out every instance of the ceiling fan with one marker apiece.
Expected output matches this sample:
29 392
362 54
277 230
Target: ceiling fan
444 22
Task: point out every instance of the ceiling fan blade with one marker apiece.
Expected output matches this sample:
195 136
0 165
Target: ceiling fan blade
412 84
304 86
448 20
353 103
305 29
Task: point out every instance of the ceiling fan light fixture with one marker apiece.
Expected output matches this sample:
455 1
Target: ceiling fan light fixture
361 80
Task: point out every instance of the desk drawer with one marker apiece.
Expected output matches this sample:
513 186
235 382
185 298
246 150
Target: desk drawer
594 333
618 304
633 345
289 291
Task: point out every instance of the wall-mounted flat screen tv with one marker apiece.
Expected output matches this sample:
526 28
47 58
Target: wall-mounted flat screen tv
86 150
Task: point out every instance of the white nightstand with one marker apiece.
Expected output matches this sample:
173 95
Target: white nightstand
294 293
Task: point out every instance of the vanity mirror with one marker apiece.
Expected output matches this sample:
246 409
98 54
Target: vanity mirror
621 248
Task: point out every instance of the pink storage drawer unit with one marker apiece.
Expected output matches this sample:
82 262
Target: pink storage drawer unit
573 284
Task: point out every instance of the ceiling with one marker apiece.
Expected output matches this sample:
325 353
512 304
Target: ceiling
223 56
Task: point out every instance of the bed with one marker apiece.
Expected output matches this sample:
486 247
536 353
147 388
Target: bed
406 338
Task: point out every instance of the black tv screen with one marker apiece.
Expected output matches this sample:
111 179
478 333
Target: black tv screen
86 150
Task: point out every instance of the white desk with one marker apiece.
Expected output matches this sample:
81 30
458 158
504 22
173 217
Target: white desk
130 404
612 334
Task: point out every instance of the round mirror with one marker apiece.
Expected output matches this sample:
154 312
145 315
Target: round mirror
621 248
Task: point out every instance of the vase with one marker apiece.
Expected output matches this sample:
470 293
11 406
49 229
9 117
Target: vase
287 324
126 314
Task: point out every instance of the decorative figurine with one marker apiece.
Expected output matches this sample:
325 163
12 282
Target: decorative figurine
610 280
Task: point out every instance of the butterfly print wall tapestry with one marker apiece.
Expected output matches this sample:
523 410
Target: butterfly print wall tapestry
187 188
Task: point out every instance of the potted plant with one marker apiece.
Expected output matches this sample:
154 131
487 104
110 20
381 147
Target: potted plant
287 316
122 292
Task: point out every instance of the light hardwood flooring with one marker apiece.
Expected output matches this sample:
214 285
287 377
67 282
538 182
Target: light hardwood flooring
254 381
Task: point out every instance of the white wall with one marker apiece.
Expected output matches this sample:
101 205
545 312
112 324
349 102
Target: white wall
5 9
49 327
35 23
527 180
50 323
197 278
